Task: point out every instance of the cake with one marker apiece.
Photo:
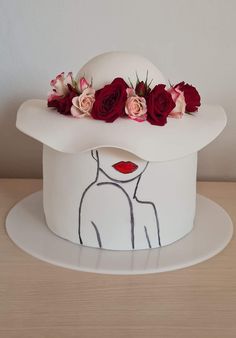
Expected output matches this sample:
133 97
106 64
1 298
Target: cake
117 173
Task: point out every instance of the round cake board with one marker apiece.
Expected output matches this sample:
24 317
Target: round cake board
26 226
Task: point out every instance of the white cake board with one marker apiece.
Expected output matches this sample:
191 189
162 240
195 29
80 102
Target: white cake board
26 227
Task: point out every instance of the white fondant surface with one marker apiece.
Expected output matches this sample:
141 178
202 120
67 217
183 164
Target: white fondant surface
104 68
26 227
178 138
84 194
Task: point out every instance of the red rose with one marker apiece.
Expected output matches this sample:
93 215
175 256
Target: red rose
159 105
191 95
142 89
63 103
110 101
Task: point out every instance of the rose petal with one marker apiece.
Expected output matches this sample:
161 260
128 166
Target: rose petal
83 84
130 92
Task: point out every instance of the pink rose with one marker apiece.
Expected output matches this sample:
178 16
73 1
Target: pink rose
180 104
83 104
62 103
63 91
83 84
135 106
60 84
69 80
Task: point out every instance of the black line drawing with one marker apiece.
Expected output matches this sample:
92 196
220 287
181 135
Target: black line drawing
130 206
154 209
148 240
98 235
81 201
132 199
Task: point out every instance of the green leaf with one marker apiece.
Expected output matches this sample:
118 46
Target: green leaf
131 84
146 78
150 83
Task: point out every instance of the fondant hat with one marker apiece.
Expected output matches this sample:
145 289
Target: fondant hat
176 139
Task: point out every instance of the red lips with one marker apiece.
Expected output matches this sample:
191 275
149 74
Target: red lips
125 167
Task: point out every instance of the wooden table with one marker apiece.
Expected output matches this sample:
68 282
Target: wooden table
41 300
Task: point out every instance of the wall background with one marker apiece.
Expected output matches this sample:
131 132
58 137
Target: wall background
186 39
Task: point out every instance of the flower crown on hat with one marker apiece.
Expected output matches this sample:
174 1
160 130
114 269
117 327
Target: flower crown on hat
118 99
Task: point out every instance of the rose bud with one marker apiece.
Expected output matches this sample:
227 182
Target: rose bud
141 89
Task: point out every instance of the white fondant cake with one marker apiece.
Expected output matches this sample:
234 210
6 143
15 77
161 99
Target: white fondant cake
121 185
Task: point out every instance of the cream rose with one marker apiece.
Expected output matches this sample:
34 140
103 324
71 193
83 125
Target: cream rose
180 104
83 104
135 106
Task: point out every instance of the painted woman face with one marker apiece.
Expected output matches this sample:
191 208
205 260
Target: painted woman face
120 165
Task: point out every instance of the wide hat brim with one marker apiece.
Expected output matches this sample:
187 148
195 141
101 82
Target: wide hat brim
178 138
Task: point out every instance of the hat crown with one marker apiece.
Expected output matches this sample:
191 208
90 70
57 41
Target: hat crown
104 68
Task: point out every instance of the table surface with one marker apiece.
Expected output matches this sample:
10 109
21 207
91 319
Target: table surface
42 300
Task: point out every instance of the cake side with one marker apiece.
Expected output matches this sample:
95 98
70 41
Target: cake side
111 199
